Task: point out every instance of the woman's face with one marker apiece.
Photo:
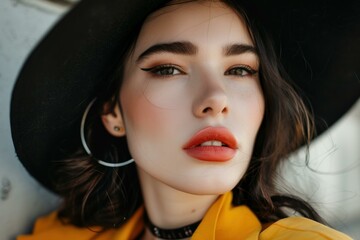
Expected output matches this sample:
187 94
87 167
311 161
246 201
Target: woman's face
191 99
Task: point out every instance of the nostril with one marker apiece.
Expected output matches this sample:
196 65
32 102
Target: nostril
207 109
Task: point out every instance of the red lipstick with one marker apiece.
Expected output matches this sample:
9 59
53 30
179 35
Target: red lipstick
213 144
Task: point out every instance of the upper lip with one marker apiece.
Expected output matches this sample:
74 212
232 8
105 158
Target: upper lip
212 134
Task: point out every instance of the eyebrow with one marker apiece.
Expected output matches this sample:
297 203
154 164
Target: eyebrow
188 48
237 49
184 48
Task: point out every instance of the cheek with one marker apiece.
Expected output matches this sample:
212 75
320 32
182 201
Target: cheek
249 107
139 123
146 125
139 115
256 110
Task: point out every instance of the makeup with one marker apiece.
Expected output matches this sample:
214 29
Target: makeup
213 144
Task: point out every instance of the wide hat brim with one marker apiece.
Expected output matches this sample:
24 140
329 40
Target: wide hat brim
318 43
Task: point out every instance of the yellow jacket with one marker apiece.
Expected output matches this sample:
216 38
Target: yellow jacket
222 222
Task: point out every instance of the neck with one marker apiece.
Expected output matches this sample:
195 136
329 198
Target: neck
170 208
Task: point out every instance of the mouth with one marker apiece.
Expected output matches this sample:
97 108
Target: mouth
214 144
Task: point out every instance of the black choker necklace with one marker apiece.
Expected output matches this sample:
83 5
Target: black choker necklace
177 233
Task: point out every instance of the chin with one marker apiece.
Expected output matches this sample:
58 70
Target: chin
213 186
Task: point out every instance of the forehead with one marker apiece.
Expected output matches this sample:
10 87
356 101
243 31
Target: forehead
203 23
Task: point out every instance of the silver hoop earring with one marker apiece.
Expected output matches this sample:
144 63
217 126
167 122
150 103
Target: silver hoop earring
86 147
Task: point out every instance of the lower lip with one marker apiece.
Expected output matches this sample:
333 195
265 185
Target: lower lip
211 153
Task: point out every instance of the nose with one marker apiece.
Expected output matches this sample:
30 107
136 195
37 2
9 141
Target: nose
212 100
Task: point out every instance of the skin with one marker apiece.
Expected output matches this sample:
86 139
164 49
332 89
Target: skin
178 189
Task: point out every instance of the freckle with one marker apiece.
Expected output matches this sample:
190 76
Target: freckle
193 210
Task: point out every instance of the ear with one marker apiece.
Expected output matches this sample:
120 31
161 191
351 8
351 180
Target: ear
112 121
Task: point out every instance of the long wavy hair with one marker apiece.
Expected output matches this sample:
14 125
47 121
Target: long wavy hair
94 195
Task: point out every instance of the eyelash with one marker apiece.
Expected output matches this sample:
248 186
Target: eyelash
249 71
157 70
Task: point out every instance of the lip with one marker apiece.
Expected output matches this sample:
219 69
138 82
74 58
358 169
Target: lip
212 153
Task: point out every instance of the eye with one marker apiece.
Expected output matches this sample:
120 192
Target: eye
241 71
164 70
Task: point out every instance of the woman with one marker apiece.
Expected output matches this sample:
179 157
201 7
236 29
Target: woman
184 115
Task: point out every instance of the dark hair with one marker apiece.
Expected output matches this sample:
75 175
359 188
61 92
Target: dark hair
95 195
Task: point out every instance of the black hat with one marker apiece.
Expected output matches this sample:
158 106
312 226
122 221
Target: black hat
318 43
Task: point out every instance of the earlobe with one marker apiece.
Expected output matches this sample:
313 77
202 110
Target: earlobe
113 122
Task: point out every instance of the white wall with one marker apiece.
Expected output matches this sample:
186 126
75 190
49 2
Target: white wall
336 151
20 28
331 181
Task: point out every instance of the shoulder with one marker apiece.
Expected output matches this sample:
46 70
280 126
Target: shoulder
297 228
51 227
